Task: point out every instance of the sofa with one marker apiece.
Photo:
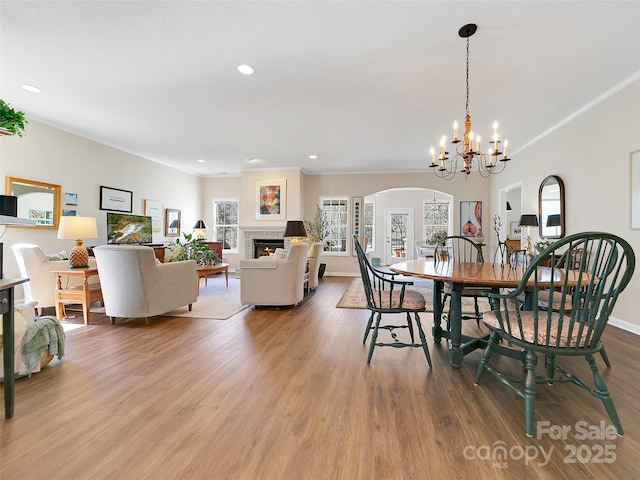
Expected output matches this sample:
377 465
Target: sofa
135 285
276 280
38 267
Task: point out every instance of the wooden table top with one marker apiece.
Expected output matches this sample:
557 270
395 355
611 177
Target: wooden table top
481 274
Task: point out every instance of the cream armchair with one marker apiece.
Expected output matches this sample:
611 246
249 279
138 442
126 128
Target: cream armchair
41 287
315 252
134 285
274 281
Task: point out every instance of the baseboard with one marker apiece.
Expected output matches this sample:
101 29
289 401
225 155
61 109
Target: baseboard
624 325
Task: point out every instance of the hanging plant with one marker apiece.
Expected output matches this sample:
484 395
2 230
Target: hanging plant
12 122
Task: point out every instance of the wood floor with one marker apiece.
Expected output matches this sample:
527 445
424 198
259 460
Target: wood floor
287 394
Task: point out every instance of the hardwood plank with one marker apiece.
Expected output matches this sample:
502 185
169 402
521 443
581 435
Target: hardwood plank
287 394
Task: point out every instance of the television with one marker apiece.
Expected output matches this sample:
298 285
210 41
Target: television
124 228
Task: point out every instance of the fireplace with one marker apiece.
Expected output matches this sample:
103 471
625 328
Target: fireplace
266 246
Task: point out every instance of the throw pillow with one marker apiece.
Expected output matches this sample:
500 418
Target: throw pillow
279 253
61 255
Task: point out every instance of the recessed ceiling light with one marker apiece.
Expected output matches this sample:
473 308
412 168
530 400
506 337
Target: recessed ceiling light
253 160
313 157
31 88
246 69
201 161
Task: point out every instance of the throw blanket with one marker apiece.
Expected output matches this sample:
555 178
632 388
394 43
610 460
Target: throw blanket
45 333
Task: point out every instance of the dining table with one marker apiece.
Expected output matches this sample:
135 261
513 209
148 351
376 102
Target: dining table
478 274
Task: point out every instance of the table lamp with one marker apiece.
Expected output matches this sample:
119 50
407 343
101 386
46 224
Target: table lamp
199 229
553 221
295 231
78 228
529 220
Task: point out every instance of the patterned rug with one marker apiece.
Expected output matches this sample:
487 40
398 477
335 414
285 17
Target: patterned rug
353 297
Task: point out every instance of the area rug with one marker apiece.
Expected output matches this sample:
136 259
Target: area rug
216 301
353 297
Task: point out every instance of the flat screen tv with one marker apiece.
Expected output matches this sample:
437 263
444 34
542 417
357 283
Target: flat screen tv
124 228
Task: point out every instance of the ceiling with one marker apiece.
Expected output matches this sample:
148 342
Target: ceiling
365 86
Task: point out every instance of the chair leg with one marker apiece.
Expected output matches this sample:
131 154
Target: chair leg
486 355
605 357
423 340
410 326
530 391
368 329
477 310
603 393
444 303
374 338
550 361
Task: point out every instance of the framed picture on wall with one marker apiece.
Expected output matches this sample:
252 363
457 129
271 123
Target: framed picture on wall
116 200
152 208
470 218
514 229
171 222
271 199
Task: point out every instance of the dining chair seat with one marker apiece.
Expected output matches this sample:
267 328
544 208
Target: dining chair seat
407 300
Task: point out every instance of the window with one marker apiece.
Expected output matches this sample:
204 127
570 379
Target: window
225 222
369 226
436 218
335 212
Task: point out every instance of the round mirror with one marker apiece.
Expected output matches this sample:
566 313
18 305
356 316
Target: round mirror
551 207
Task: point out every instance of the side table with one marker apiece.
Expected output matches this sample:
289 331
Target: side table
85 294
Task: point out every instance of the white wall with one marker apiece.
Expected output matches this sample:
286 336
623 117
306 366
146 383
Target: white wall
81 166
591 155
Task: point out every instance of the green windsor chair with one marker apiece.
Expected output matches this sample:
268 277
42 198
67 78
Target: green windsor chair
583 289
462 249
388 296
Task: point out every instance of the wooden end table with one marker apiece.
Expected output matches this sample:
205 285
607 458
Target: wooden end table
206 270
84 294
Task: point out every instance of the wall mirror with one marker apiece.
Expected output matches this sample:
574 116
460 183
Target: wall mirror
37 201
551 207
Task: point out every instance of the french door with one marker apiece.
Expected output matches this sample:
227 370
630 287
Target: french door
398 235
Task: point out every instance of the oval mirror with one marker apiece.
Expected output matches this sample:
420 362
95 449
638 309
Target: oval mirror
551 207
37 201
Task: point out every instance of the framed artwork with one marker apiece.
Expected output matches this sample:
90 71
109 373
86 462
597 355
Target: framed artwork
116 200
152 208
514 229
271 199
171 222
356 219
634 173
156 224
70 198
470 218
69 213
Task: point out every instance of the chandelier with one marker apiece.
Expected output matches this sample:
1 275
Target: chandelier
467 151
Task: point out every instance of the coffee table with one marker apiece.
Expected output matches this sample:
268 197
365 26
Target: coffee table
206 270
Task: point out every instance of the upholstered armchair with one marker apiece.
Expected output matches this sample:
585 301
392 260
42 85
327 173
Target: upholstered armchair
275 280
315 252
134 285
41 287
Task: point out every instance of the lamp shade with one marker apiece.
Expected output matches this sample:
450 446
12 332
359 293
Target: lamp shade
200 225
294 228
508 207
553 220
528 220
76 228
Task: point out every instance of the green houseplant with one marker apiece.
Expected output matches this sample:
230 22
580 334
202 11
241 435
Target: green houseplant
317 232
193 249
12 122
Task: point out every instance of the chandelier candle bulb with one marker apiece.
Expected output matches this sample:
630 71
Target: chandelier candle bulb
455 131
506 144
478 144
433 157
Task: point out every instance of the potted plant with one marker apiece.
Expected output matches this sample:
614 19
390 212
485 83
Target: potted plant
438 238
317 232
12 122
193 249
